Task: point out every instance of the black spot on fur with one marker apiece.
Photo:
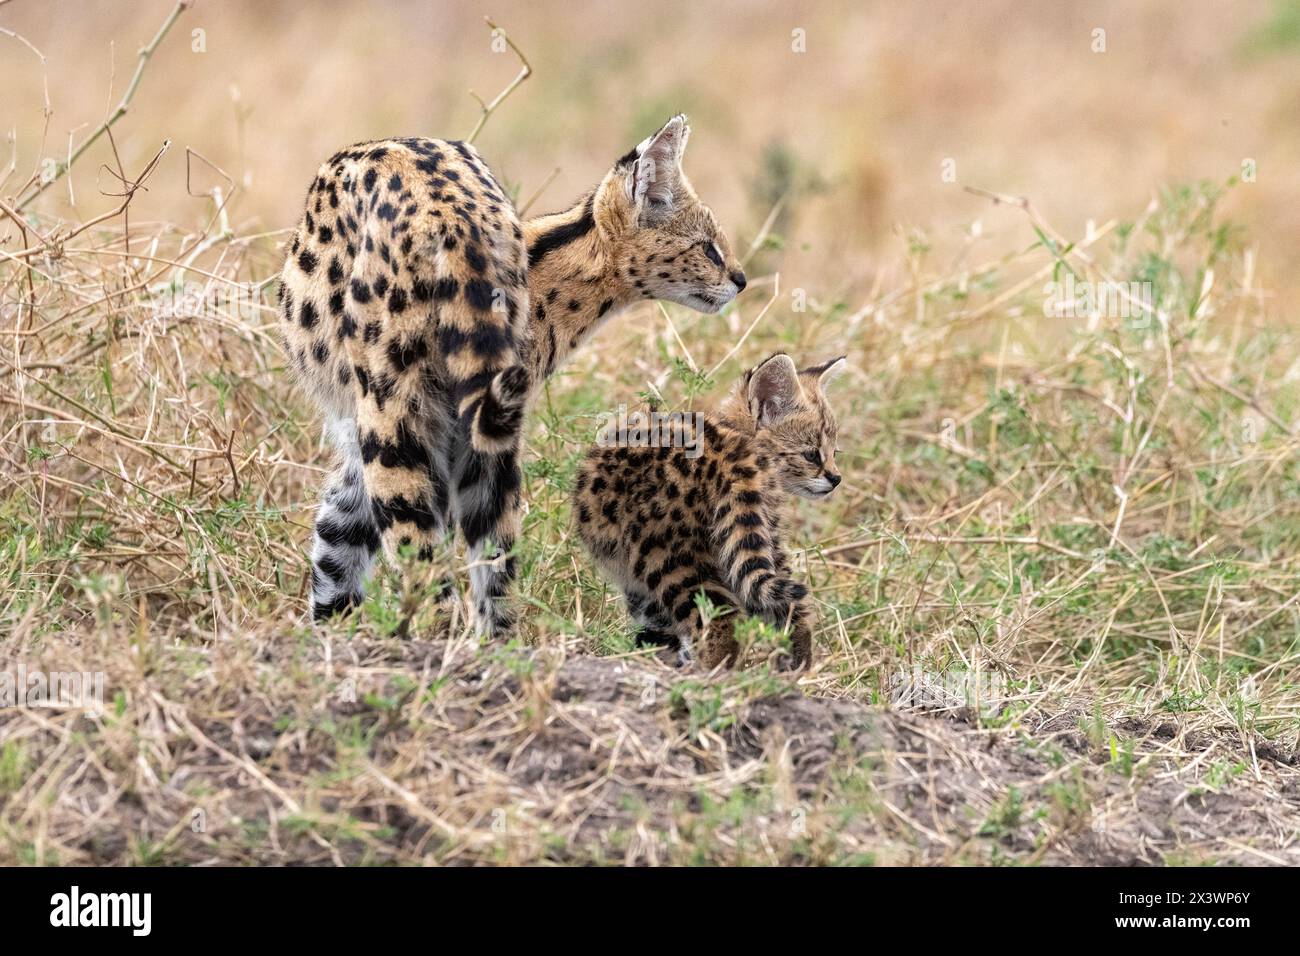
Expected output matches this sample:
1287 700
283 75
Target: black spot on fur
475 258
445 289
402 356
478 293
397 300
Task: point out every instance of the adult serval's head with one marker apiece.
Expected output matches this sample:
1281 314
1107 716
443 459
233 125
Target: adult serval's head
667 243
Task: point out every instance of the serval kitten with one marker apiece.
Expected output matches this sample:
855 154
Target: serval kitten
421 314
666 526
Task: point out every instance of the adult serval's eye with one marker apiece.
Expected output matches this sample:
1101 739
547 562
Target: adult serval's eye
813 457
711 250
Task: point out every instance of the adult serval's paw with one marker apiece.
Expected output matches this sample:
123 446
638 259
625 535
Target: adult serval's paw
323 608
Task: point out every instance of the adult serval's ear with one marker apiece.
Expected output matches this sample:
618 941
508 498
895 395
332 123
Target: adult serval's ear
657 167
772 390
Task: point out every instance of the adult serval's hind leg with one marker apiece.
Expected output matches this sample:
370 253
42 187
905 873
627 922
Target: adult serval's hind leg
346 536
488 502
488 384
403 420
371 500
404 472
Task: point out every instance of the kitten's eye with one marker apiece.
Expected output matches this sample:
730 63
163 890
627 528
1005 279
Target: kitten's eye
711 250
813 457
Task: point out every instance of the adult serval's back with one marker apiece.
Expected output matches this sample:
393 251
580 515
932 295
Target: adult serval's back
403 298
405 301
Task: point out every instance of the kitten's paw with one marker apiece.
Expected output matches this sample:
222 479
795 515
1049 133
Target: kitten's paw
786 661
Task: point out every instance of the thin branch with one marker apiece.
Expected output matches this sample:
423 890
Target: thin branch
1198 373
53 244
776 291
123 105
47 111
523 210
525 71
764 229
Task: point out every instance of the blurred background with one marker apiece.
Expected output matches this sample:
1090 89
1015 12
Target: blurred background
868 117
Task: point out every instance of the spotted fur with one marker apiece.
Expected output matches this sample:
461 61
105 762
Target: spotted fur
421 314
667 527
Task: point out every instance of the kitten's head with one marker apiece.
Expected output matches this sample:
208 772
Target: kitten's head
666 244
790 411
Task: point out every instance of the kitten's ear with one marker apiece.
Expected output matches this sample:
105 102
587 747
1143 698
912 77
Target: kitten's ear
773 390
826 371
657 167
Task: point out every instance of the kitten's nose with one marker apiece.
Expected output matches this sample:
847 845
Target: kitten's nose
834 480
738 277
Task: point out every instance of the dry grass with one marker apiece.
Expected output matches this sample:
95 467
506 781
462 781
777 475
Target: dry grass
1098 517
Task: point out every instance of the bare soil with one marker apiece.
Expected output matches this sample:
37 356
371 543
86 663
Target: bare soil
407 752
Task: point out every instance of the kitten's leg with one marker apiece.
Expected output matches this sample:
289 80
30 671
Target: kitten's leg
715 642
718 644
346 536
801 634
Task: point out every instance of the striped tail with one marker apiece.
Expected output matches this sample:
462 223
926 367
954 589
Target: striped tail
496 421
490 382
